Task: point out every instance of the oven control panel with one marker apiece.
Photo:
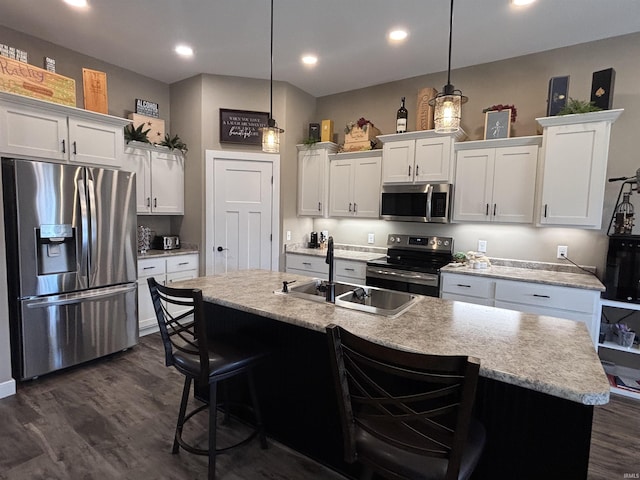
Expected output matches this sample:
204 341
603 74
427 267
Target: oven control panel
420 242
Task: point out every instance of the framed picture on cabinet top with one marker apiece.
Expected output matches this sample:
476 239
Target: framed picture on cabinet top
497 124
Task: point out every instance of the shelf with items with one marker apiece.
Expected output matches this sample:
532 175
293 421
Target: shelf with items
617 360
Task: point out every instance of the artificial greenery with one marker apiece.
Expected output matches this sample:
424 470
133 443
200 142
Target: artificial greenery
174 143
310 141
578 106
137 134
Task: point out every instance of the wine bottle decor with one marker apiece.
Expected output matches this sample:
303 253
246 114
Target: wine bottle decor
401 118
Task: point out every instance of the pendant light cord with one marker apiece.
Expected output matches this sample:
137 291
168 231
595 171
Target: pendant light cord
271 73
450 41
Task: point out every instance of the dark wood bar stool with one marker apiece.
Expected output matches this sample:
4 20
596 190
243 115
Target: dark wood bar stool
405 415
203 359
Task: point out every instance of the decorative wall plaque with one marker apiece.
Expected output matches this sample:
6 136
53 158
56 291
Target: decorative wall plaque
94 85
147 108
241 126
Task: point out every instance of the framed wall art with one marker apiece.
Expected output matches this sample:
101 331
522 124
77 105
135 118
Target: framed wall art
497 124
241 126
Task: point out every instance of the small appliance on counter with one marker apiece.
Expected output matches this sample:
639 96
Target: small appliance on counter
313 240
166 242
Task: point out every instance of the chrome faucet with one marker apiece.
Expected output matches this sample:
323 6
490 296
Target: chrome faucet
331 286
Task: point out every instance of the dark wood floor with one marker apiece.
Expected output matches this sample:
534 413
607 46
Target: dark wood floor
114 419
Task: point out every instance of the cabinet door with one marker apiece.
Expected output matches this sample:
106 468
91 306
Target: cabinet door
433 159
138 160
575 162
514 184
398 161
167 183
312 167
474 185
95 143
29 132
341 203
366 187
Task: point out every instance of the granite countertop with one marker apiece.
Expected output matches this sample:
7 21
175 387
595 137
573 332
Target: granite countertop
183 250
534 272
545 354
344 252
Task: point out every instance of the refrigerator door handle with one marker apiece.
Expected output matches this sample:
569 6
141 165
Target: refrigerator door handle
78 297
94 228
84 225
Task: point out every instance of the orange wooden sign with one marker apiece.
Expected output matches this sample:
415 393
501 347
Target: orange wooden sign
24 79
94 85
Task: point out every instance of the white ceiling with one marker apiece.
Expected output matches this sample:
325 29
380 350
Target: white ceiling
231 37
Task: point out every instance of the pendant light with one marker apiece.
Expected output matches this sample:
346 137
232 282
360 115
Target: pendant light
448 103
271 133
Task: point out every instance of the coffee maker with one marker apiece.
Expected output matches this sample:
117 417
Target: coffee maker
313 240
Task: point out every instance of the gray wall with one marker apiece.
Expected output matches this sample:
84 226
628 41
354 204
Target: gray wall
123 86
522 82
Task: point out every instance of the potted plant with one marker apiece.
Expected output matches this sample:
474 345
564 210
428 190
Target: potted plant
574 106
136 134
174 143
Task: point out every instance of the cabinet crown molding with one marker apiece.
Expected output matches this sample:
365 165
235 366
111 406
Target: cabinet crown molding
394 137
576 118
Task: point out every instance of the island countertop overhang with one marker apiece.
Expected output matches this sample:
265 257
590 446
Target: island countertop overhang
540 353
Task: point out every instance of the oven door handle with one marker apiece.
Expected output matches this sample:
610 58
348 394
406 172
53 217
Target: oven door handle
400 275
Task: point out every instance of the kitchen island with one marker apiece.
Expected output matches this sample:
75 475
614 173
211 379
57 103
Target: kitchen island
540 376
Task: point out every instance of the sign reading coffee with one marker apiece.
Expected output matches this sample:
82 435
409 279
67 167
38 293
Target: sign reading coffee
241 126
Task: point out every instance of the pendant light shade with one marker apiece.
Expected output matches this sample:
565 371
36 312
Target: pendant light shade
448 103
271 133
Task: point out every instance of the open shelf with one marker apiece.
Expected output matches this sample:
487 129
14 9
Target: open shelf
615 346
625 372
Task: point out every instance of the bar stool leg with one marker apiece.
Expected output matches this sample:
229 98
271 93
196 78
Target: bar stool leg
181 414
213 410
256 409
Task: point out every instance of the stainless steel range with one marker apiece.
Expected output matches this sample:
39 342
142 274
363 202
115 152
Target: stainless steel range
412 264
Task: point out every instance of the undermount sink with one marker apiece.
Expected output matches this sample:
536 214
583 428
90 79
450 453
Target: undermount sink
378 301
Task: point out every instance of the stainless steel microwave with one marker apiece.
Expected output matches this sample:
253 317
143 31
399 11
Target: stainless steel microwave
428 203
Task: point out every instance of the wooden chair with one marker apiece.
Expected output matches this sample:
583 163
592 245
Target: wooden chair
405 415
206 360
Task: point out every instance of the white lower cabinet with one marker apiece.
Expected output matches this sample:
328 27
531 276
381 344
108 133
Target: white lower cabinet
165 270
541 299
346 271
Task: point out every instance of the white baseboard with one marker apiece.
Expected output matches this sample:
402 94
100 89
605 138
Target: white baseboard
149 328
7 388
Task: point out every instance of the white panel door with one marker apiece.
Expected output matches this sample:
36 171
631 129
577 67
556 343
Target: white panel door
138 160
474 185
340 188
242 215
397 161
167 183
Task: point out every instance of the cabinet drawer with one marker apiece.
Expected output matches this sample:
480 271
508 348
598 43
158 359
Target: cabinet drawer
549 296
352 269
182 275
308 263
467 299
151 267
467 285
180 263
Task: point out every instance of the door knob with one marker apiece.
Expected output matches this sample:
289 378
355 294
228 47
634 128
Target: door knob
221 249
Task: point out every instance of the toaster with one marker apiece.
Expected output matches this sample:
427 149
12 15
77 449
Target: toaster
166 242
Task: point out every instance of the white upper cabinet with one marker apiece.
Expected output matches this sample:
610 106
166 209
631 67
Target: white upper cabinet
33 128
313 178
354 184
574 165
496 180
159 179
418 157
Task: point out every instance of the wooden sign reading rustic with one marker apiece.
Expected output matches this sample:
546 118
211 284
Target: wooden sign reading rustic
424 112
24 79
94 85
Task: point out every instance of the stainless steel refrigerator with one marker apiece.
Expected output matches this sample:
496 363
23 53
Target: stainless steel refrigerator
71 263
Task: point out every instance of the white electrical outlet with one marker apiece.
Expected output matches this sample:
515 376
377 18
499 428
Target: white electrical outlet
288 235
482 246
371 238
563 251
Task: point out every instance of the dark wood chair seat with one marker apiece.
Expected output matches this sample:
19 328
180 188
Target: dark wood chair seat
405 415
188 348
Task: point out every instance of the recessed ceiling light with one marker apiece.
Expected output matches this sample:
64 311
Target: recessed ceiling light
397 35
522 2
184 50
77 3
309 59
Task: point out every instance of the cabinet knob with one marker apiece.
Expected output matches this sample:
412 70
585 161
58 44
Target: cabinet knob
220 249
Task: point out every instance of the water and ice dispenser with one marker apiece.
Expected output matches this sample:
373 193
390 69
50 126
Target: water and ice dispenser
56 249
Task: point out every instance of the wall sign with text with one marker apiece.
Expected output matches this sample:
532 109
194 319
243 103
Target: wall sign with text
241 126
